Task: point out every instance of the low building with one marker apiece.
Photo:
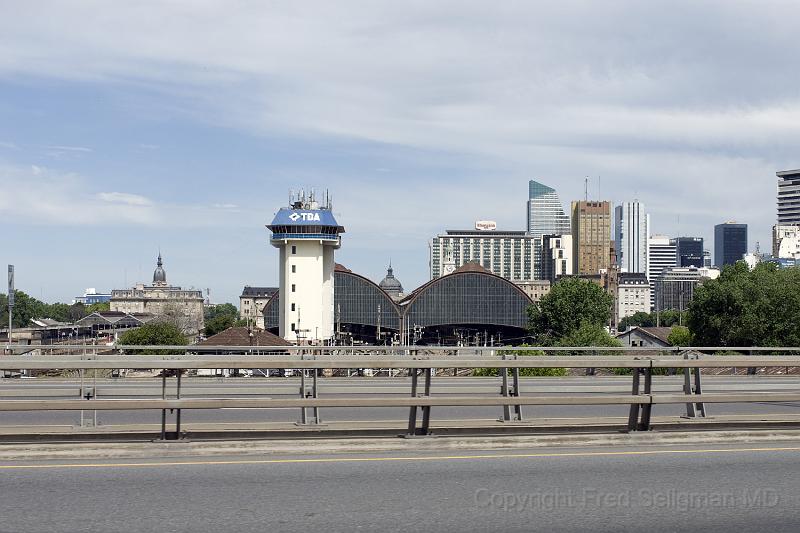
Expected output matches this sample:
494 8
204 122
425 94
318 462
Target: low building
632 295
645 337
252 302
91 296
535 289
786 241
184 307
242 336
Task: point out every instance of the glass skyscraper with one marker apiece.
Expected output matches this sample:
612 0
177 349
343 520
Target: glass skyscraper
545 211
632 229
730 243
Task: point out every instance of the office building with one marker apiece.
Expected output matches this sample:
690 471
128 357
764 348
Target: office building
160 299
632 295
306 233
689 251
556 256
591 237
788 197
513 255
674 288
661 254
545 211
786 242
730 243
252 302
631 230
707 262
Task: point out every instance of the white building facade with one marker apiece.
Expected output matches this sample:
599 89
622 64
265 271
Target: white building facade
633 295
631 232
509 254
786 241
661 254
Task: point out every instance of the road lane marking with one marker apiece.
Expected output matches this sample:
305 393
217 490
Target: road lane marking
398 459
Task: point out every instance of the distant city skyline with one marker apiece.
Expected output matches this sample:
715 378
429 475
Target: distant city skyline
121 138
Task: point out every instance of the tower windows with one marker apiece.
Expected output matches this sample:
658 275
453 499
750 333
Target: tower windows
293 287
292 307
294 269
294 250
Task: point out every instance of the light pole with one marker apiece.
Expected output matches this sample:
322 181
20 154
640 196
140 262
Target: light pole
10 302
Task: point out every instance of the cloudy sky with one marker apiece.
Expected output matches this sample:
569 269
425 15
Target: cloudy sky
129 126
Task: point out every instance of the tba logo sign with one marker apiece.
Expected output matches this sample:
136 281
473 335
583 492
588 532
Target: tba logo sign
306 217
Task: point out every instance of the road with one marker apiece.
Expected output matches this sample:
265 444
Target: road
283 387
727 488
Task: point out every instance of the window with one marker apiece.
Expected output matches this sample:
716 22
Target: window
293 287
292 307
294 269
293 326
294 251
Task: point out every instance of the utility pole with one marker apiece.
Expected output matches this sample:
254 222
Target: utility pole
10 301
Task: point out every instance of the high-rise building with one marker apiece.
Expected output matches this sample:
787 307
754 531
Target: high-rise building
788 197
675 287
689 251
786 242
591 237
545 211
661 255
631 230
556 256
707 262
730 243
306 233
509 254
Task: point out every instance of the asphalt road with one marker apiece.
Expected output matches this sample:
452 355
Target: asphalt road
727 488
283 387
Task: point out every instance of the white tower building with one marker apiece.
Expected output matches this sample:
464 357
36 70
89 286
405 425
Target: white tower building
306 235
631 237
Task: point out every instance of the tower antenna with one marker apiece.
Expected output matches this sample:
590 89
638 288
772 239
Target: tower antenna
586 189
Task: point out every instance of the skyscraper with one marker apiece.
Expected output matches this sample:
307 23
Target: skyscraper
730 243
661 255
632 227
788 197
689 251
545 211
591 237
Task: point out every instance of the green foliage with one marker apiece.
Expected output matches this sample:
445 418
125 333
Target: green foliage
680 336
588 334
537 372
154 333
747 308
668 318
226 309
27 308
570 303
640 318
221 317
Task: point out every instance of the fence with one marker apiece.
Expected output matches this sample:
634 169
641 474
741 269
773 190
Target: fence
420 362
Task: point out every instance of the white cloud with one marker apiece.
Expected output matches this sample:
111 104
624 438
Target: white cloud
36 195
124 198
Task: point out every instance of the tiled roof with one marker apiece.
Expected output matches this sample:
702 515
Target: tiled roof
240 336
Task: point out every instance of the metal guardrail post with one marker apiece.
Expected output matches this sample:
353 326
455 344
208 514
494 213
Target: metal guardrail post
426 410
307 391
633 416
164 411
412 411
517 407
178 411
646 409
693 409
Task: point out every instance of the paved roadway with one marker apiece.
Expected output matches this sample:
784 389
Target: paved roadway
727 488
288 387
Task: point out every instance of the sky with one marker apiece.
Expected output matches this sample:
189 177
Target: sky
132 127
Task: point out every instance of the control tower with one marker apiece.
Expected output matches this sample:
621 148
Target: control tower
306 233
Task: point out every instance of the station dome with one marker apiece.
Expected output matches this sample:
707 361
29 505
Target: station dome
391 284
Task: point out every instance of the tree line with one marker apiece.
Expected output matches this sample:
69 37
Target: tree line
27 308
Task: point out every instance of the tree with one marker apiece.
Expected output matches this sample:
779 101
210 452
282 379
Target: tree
588 334
569 304
25 309
680 336
639 318
225 309
160 333
747 308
